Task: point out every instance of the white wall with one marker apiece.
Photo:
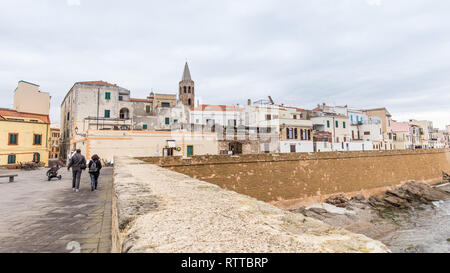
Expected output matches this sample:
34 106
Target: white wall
300 146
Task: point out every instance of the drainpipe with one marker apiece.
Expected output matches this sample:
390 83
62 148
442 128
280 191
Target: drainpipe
98 105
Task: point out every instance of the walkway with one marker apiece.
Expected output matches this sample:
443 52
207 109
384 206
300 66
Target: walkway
37 215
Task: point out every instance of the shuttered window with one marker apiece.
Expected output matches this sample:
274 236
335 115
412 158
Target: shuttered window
11 159
37 140
13 139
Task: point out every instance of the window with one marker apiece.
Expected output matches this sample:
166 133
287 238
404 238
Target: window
107 95
175 120
11 159
328 124
37 140
68 116
147 108
165 104
337 124
144 126
120 98
13 139
289 133
268 117
167 121
107 113
184 89
343 124
189 89
295 116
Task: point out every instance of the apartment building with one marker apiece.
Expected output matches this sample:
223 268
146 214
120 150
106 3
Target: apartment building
386 130
55 141
24 137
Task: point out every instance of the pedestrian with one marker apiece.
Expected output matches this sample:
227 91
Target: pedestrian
94 171
78 164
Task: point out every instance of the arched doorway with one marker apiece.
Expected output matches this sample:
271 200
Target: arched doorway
36 158
124 113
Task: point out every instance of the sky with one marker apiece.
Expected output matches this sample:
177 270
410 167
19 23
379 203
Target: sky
360 53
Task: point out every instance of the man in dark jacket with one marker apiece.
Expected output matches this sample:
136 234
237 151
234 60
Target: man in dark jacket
78 164
94 171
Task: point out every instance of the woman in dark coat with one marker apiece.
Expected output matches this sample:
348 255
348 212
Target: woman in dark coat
94 171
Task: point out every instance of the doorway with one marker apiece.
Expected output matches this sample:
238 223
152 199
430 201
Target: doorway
190 150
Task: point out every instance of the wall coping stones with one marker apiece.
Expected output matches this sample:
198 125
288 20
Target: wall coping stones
159 210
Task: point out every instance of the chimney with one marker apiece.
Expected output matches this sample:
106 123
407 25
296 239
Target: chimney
249 102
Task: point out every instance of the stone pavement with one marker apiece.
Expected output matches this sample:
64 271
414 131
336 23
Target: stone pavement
42 216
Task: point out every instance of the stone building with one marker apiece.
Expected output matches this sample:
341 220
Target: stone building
101 106
238 129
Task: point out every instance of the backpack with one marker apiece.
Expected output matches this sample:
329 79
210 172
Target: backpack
93 167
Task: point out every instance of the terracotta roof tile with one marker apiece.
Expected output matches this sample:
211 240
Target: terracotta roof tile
141 100
13 113
98 83
211 107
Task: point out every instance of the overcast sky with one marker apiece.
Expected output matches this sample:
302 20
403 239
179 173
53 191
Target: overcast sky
363 53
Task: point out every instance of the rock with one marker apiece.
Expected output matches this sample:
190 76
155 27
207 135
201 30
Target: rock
318 210
410 194
445 177
358 197
337 200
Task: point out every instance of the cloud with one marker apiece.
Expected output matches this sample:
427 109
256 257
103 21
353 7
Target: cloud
300 52
73 2
374 2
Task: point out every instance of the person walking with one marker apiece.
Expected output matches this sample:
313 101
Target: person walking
94 171
78 164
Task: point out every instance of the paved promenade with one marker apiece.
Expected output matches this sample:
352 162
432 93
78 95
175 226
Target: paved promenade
37 215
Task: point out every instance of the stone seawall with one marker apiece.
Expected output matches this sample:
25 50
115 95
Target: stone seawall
289 179
159 210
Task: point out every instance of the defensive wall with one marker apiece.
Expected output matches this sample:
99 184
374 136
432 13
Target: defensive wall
159 210
290 180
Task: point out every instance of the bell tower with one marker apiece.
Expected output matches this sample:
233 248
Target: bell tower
186 88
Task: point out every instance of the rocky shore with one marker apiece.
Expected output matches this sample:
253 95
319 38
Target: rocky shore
379 215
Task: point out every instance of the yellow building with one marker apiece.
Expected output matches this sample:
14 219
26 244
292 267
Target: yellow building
55 136
24 137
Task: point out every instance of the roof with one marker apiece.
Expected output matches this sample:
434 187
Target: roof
211 107
13 113
186 73
97 83
378 109
29 83
399 126
140 100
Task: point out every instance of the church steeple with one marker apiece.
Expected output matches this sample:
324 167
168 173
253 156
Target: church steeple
186 93
186 73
